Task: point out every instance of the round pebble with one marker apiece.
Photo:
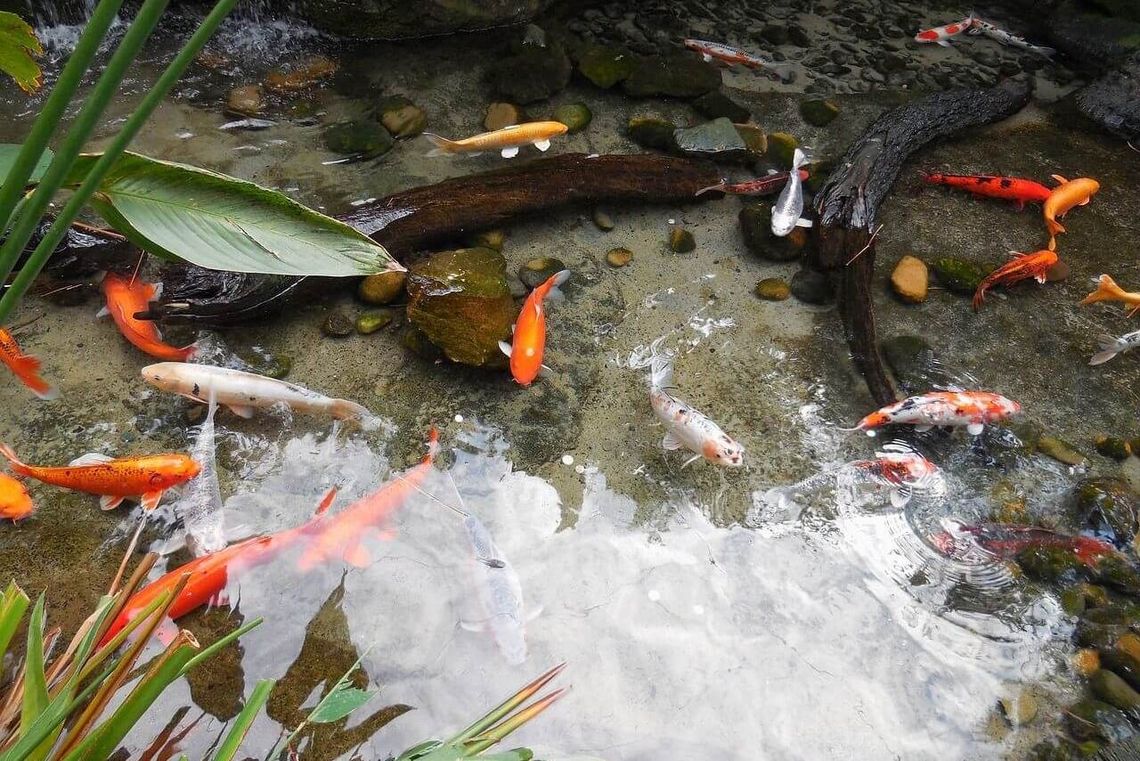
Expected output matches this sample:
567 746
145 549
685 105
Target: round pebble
619 257
567 459
654 595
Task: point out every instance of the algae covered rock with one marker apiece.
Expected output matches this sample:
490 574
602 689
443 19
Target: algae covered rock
958 275
1113 690
1096 720
1061 451
681 241
461 302
619 257
756 227
716 105
401 117
1106 505
818 113
781 148
382 288
336 325
652 132
1048 563
717 138
370 322
247 100
605 66
534 74
576 116
674 76
755 139
537 271
1113 447
811 287
363 139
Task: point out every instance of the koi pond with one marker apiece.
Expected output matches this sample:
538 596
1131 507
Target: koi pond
603 397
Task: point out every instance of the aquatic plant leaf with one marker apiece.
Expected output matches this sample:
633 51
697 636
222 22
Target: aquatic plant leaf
257 700
223 223
339 703
19 49
36 697
8 153
13 604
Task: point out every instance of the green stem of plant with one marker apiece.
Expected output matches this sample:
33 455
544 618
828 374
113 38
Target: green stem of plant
91 183
105 89
55 105
232 744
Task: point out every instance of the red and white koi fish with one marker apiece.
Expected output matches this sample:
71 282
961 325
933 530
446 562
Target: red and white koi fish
941 35
1020 267
1015 189
729 55
1006 541
529 340
25 367
209 574
904 472
686 427
341 536
994 32
973 409
145 478
126 297
758 187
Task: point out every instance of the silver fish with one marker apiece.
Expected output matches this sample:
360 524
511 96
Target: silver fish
1110 346
248 124
787 211
995 32
201 507
500 592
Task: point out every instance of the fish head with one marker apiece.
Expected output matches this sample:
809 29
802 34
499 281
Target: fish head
1003 408
164 376
723 451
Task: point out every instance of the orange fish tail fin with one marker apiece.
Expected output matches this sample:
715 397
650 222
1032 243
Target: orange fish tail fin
432 445
1106 290
980 294
1054 227
442 145
26 368
10 454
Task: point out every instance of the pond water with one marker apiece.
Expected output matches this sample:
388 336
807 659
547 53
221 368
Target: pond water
785 609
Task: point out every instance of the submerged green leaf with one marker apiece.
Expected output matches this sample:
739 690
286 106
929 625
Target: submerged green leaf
13 604
19 49
223 223
339 703
8 153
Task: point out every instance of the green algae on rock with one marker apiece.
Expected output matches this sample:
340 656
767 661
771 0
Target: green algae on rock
653 132
1061 451
1113 447
1106 504
818 113
364 139
605 66
576 116
756 227
674 76
958 275
773 289
461 301
781 148
370 322
681 241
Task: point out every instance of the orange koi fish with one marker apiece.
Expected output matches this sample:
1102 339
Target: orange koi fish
1016 189
209 574
972 409
340 537
144 478
1021 267
507 140
126 298
1108 290
24 367
1068 194
14 500
529 330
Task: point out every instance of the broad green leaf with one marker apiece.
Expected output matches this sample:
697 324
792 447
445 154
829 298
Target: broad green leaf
223 223
36 697
18 50
339 703
12 607
8 152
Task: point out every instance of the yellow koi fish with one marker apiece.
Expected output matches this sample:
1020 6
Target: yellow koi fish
507 140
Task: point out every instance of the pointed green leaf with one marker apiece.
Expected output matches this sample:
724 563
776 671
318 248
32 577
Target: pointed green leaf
223 223
12 607
18 51
232 744
340 703
36 696
8 153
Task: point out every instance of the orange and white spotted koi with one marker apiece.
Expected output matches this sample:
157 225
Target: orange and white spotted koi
972 409
941 35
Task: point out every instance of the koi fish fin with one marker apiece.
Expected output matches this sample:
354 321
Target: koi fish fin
241 410
505 348
91 458
920 428
1040 278
167 631
357 555
706 57
690 461
104 312
109 502
1106 290
542 145
719 186
900 496
512 329
943 43
1058 178
1109 348
975 429
326 502
801 222
556 281
443 146
510 153
150 500
218 599
534 614
670 442
26 368
1085 202
10 455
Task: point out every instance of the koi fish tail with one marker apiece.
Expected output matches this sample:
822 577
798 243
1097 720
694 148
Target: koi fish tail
554 284
433 444
1054 227
798 160
443 146
1106 290
344 409
1109 348
17 466
980 293
189 351
661 370
719 186
26 368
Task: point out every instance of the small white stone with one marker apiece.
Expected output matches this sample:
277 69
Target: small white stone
699 610
458 418
567 459
654 595
579 469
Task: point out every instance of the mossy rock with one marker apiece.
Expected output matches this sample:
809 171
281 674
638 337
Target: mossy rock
773 289
532 75
1106 505
673 76
461 301
1123 664
576 116
401 117
1113 690
364 139
756 227
715 105
653 132
781 148
1008 503
958 275
370 322
1100 636
1096 720
818 113
755 139
1117 572
1113 447
681 241
537 271
1048 563
1061 451
605 66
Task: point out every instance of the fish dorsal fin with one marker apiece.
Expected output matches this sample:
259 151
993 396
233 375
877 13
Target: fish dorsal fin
91 458
1059 178
671 442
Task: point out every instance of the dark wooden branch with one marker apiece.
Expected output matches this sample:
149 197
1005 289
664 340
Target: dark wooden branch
848 203
438 214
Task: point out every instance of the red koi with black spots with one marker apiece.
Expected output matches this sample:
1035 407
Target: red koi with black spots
1016 189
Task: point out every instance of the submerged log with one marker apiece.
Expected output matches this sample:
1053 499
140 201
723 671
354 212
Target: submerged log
439 214
849 201
194 295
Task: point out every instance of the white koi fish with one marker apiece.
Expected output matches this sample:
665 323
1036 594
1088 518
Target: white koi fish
995 32
1110 347
685 427
789 207
200 508
500 593
507 140
941 35
972 409
726 54
242 392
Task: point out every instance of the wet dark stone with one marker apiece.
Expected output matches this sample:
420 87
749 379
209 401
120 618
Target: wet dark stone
675 76
1106 505
717 138
1122 663
605 66
756 227
716 104
337 325
890 62
532 75
811 287
653 132
911 359
363 139
1093 719
1113 101
798 36
1048 563
1092 38
397 19
775 34
818 113
536 271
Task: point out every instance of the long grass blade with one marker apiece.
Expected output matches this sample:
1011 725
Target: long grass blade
497 713
487 739
54 107
257 700
222 642
85 122
13 605
90 184
35 681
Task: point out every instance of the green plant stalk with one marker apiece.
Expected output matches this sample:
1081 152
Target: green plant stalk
12 607
36 697
340 683
232 744
53 109
210 651
69 213
105 89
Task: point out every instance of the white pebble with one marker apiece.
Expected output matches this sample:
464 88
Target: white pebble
458 418
579 469
654 595
699 610
567 459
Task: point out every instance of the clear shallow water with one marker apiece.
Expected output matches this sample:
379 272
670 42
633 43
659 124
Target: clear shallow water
699 617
